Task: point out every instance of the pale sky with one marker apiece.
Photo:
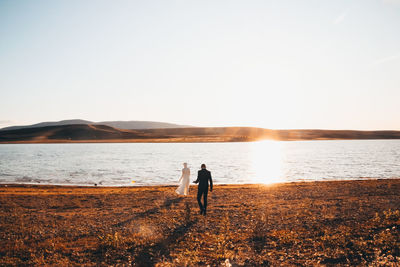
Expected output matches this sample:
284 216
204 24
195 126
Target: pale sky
275 64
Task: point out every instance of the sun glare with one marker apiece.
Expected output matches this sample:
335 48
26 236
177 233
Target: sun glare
266 162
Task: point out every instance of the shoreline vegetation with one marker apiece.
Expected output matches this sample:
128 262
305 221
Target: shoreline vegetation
303 223
94 133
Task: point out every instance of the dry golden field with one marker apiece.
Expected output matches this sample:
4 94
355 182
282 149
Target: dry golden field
293 224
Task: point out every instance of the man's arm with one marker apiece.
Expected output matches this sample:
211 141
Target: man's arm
197 178
211 184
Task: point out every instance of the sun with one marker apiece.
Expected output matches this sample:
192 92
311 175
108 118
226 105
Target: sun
266 162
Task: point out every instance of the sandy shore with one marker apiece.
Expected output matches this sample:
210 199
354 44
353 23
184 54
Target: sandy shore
318 223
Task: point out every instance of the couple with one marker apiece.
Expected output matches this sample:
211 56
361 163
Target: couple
203 177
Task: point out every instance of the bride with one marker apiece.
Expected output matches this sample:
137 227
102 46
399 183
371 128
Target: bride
183 188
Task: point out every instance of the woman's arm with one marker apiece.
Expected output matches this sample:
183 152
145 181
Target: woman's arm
180 179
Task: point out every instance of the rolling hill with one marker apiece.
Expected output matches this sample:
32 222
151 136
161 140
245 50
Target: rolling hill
104 133
130 125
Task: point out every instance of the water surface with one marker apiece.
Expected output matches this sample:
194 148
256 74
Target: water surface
155 163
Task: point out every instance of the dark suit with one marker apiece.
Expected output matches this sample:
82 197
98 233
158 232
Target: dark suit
203 177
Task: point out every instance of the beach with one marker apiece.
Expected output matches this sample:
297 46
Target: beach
302 223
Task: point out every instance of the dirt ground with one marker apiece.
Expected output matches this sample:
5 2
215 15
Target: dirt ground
293 224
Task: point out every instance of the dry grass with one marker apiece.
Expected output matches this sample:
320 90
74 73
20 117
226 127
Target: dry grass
322 223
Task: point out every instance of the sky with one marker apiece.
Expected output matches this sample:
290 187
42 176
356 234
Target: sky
281 64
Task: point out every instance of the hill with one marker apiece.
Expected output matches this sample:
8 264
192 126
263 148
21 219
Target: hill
292 135
45 124
130 125
104 133
69 133
136 125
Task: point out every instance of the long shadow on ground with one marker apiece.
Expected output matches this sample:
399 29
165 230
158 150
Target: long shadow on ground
149 254
167 204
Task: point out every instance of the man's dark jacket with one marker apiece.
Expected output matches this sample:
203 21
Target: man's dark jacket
202 178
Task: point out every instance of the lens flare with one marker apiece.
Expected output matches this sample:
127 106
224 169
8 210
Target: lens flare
267 162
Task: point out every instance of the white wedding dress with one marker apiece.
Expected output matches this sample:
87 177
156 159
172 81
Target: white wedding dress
183 188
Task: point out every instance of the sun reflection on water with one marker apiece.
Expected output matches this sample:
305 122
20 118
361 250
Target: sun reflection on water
266 162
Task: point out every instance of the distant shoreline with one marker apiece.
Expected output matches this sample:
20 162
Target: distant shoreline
160 141
171 140
147 186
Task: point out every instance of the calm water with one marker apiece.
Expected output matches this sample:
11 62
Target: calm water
258 162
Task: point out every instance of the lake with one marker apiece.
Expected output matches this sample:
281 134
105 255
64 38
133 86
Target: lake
266 162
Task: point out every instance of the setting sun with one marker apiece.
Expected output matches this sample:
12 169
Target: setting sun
267 161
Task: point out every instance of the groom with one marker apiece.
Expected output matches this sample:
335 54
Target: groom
202 190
